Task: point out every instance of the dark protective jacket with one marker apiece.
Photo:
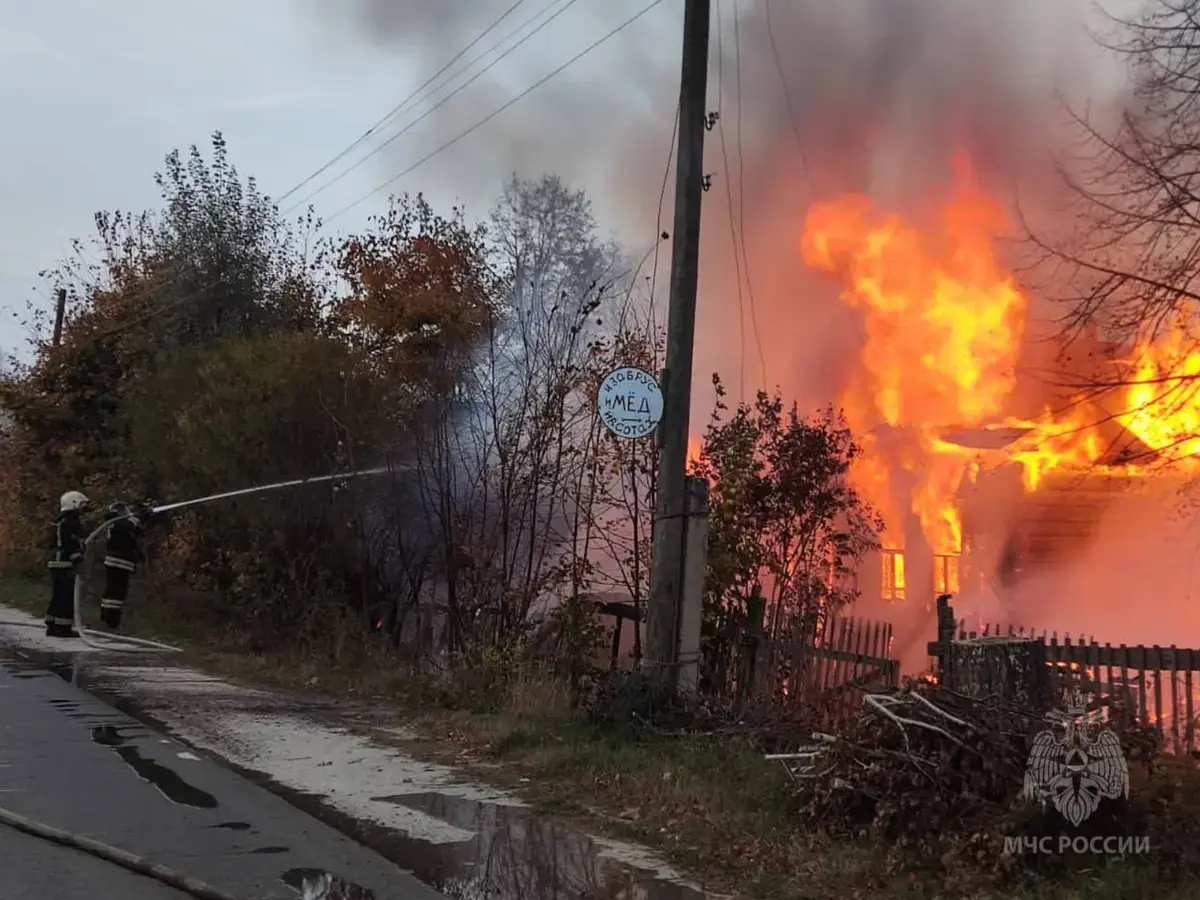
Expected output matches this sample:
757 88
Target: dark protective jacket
124 549
66 539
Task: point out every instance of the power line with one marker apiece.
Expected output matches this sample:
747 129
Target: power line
733 241
400 107
662 198
741 191
182 301
793 120
787 95
486 119
425 115
157 311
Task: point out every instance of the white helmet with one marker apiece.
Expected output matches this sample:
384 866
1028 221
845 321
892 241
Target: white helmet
72 501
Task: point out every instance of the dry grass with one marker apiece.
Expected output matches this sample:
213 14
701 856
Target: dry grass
711 805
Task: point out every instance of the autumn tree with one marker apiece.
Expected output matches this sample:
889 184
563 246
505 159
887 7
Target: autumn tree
1120 254
215 260
519 441
421 295
197 357
419 303
255 410
783 514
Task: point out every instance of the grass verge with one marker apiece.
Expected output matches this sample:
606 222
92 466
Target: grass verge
709 804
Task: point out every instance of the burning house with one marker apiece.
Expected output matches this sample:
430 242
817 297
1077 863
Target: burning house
988 468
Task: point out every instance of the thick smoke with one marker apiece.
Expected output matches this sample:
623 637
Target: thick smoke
816 98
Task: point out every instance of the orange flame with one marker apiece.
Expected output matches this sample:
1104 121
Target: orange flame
1162 407
944 322
943 325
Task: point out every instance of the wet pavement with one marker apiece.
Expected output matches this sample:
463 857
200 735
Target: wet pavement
34 869
465 841
69 761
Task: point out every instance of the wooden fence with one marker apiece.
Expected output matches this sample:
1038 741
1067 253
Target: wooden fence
1155 685
817 669
821 670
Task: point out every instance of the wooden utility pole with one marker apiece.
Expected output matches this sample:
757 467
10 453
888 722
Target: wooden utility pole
59 314
670 516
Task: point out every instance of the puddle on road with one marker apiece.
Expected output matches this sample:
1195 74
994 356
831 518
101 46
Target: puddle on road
168 782
515 855
317 884
118 737
32 667
26 671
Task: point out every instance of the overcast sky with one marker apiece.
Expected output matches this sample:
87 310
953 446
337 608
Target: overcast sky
98 91
867 94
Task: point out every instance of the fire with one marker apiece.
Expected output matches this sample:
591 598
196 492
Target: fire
1067 440
944 322
1162 407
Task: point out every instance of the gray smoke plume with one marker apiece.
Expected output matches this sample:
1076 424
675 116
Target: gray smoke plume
815 97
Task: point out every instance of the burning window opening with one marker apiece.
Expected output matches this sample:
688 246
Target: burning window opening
893 574
945 573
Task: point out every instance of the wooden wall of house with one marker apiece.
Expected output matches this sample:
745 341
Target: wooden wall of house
1057 522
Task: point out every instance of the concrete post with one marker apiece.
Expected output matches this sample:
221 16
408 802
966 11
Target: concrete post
695 567
667 573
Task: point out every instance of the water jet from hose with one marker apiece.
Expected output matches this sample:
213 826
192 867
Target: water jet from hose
142 645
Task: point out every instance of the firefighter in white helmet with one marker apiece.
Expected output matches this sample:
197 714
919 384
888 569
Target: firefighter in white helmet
68 538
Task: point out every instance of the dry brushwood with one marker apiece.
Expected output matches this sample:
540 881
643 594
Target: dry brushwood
934 775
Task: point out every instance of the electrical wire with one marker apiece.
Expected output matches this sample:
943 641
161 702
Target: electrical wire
401 106
793 118
741 191
156 312
179 303
733 240
466 84
794 121
488 118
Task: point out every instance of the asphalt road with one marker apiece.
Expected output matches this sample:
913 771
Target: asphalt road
71 762
33 869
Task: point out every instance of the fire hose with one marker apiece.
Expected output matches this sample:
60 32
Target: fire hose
123 858
112 642
142 645
127 860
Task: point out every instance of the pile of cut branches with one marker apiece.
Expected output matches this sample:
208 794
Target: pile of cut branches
939 778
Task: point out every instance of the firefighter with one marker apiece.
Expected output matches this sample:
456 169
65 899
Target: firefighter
68 538
122 554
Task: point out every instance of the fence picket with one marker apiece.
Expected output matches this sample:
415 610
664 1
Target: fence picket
1189 728
1175 736
1108 673
1154 664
